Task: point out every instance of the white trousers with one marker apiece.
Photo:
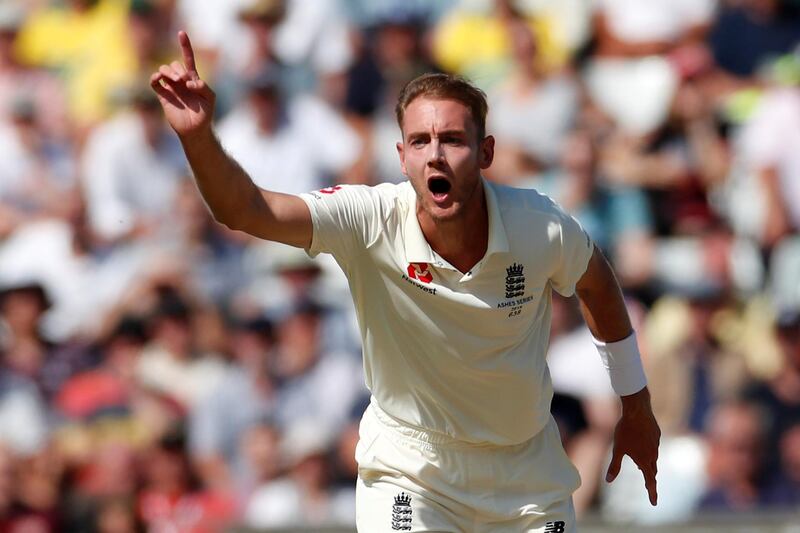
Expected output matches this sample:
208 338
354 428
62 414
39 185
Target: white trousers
413 480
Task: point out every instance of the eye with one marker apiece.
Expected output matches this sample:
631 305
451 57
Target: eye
417 142
456 141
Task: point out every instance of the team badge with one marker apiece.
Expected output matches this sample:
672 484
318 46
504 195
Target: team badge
401 513
515 281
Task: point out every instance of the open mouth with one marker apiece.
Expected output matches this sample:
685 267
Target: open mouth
439 187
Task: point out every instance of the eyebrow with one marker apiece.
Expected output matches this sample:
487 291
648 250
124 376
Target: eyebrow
443 133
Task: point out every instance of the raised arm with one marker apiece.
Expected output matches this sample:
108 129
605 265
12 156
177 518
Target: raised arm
230 194
637 434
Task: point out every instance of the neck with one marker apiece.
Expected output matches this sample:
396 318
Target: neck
463 240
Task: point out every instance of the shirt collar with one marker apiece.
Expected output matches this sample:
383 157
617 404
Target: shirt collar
419 251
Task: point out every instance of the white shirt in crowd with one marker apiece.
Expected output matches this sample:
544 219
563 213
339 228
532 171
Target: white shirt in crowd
462 354
127 179
313 141
635 21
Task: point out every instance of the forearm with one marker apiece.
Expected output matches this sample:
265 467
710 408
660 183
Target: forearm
225 186
604 310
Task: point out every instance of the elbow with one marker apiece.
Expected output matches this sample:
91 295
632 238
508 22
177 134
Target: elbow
228 220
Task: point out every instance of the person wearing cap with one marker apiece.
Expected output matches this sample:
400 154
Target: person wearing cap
452 278
287 145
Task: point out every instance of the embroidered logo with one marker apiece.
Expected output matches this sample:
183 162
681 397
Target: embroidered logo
420 272
554 527
330 190
401 513
515 281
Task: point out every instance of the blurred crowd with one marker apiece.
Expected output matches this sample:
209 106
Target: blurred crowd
163 373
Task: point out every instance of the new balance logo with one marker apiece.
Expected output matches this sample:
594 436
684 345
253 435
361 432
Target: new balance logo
554 527
401 513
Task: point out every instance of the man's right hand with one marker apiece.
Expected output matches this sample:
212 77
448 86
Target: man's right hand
187 100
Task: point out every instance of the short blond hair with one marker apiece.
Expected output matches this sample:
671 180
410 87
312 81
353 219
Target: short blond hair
445 87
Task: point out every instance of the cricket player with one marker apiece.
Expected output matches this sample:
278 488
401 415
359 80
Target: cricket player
451 277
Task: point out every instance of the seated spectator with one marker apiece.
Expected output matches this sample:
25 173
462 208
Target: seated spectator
172 364
289 146
473 39
529 95
691 369
617 217
768 142
23 417
26 351
284 277
391 55
316 386
303 497
39 88
631 78
780 395
29 493
243 399
133 166
38 177
171 499
109 389
736 435
95 55
261 454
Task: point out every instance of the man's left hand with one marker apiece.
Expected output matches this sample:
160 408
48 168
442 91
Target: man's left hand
637 436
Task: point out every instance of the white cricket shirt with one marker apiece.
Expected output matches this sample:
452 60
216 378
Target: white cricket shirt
457 353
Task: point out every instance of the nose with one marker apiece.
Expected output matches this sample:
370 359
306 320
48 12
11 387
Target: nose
436 154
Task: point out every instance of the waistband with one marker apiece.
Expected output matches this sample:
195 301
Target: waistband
428 437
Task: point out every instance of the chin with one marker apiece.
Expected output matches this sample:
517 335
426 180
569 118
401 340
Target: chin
444 214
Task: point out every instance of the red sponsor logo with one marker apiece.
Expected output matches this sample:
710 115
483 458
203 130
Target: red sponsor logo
330 190
420 272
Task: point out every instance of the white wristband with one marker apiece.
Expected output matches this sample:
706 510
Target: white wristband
623 363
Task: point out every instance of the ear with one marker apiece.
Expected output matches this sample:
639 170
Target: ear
486 155
401 152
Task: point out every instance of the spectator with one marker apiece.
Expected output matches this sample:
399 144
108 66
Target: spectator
171 364
21 83
617 217
244 398
316 386
23 417
110 388
780 396
528 96
390 55
631 78
785 491
133 168
303 496
94 53
768 141
172 499
736 434
290 146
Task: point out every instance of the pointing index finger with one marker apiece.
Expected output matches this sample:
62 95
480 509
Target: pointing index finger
188 54
650 483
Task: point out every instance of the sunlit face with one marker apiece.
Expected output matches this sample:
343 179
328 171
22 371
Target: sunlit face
442 156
